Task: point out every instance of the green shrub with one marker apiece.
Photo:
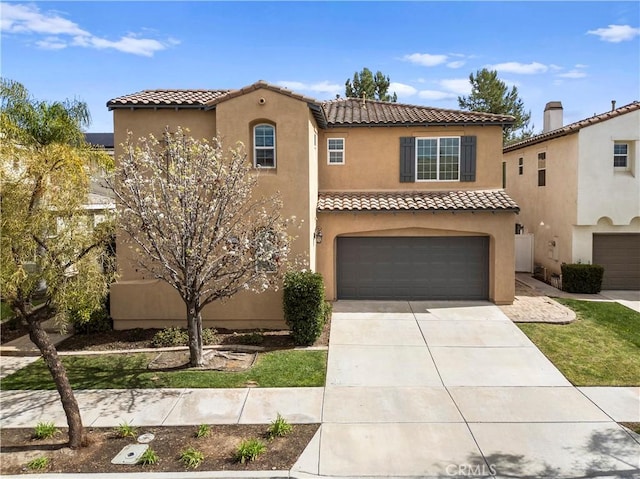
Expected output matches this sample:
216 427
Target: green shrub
148 457
210 337
169 337
204 430
191 457
125 430
582 278
249 450
304 305
251 339
279 427
45 430
85 322
38 463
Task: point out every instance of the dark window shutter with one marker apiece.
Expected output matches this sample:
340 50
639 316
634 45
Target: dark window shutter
407 159
468 158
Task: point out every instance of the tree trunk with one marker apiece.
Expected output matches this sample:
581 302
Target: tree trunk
194 327
40 338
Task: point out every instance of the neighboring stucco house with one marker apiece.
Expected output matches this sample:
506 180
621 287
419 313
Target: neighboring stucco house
398 201
101 197
579 189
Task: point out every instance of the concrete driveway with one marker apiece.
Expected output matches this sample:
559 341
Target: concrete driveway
442 389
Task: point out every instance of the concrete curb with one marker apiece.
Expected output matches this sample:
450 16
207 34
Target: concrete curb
278 474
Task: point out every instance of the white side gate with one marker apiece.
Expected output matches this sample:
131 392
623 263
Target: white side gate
524 253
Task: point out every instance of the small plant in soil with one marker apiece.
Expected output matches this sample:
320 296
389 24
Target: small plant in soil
148 458
249 450
191 457
204 430
279 428
251 339
45 430
125 430
38 464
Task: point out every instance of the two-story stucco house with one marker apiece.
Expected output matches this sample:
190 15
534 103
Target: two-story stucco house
398 201
579 189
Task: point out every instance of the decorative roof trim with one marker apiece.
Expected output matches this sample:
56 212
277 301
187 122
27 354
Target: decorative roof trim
573 127
394 201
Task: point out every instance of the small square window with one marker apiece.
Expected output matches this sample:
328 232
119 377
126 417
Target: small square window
620 155
335 151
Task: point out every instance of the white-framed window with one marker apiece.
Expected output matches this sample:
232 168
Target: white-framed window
520 166
542 168
264 146
438 159
335 151
621 155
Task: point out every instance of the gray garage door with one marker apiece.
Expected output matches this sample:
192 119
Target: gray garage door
619 254
413 268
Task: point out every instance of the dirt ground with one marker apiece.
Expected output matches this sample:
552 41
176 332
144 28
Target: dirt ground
18 448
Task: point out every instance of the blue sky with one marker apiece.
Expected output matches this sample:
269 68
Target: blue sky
584 54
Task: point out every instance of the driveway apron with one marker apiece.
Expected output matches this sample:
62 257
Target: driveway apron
454 389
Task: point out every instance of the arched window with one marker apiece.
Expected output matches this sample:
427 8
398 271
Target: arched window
264 146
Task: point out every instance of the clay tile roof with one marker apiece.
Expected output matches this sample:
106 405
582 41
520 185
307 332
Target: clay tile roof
573 127
487 200
166 98
256 86
353 111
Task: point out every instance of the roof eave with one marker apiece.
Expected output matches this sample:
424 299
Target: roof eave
133 106
413 210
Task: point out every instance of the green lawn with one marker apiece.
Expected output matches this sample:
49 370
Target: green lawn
600 348
127 371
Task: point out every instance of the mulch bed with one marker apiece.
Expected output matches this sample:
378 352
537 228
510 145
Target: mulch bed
18 448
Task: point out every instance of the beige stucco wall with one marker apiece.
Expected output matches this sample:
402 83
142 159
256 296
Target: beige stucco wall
548 212
139 301
498 227
372 158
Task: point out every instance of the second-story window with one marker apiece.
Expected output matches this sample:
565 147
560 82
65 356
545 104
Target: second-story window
335 151
520 166
620 155
542 168
264 146
438 159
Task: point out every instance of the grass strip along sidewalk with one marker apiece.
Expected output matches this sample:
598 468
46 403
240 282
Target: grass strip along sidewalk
600 348
127 371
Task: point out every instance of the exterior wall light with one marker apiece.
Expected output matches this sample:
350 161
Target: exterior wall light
318 235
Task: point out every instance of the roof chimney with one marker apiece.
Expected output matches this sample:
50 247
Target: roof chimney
552 116
613 105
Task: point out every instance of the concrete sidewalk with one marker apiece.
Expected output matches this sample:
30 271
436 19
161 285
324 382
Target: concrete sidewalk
419 389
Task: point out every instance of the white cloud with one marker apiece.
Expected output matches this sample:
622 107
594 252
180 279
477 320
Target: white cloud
581 65
28 19
319 87
616 33
425 59
459 86
435 95
456 64
52 43
521 68
137 46
401 89
572 74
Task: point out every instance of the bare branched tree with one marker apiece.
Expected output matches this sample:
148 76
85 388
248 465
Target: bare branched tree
189 208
